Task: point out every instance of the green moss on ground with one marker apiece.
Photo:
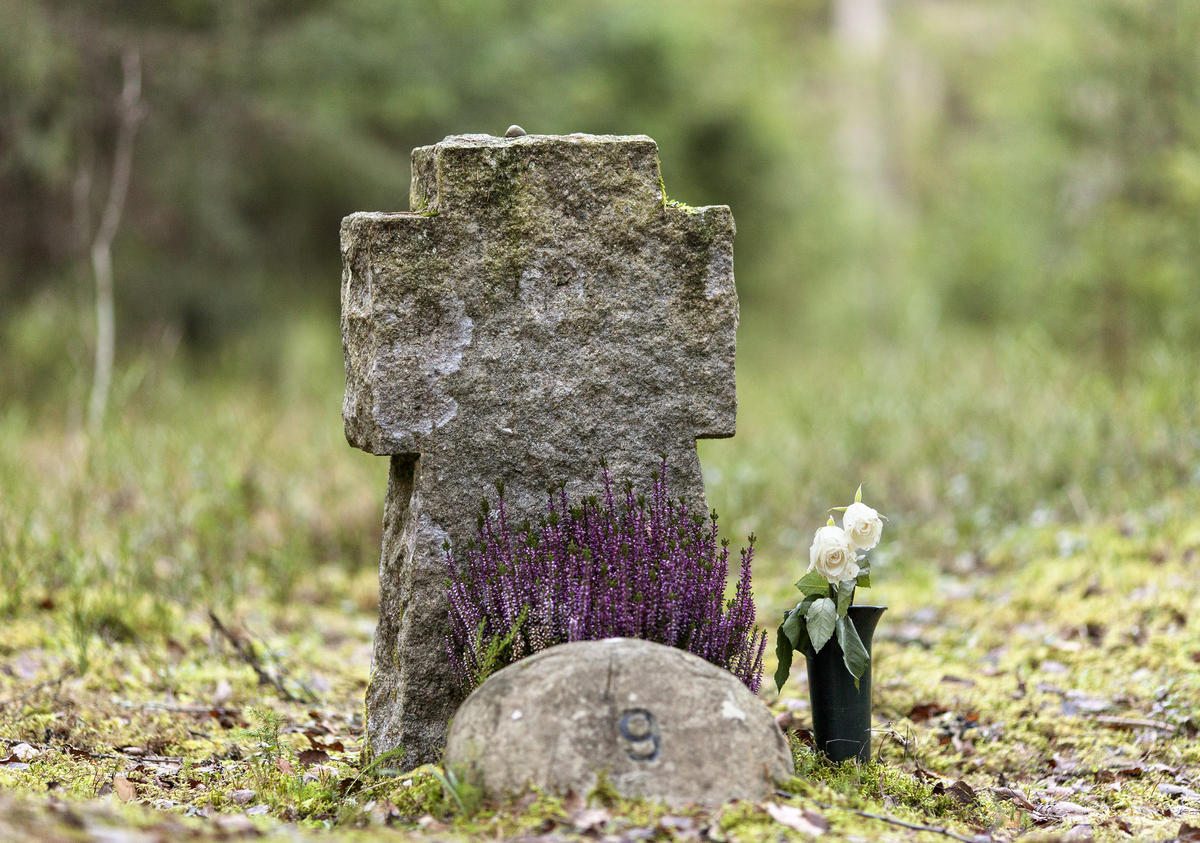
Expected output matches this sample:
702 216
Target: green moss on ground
1060 669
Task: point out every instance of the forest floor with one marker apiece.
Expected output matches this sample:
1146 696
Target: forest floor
188 607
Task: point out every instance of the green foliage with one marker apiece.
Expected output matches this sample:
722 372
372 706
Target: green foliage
1058 186
264 732
498 651
821 618
812 584
269 121
854 654
962 433
458 786
845 595
786 641
792 627
1036 166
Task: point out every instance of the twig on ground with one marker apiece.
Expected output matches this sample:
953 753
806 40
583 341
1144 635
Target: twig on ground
1134 723
933 829
906 640
246 652
33 689
184 709
309 694
120 756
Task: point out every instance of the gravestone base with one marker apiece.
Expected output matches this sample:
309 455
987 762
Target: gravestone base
656 722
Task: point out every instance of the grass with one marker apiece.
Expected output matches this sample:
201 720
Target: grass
1039 565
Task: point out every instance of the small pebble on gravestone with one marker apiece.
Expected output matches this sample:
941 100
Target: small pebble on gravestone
657 722
514 131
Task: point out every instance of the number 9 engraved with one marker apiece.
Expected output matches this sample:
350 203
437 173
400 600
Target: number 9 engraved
640 732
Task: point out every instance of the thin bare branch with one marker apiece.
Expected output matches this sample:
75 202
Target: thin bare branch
129 114
896 821
245 651
33 689
184 709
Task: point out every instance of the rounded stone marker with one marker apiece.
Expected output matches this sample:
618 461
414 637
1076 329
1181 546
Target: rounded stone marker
514 131
660 723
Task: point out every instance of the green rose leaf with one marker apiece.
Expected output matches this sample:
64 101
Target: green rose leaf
792 628
845 593
783 652
813 583
854 654
864 577
822 618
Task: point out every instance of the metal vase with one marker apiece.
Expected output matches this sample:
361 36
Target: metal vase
841 713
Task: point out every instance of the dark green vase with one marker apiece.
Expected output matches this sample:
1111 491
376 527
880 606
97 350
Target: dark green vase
841 713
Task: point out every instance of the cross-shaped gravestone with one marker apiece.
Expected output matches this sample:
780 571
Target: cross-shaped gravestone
543 307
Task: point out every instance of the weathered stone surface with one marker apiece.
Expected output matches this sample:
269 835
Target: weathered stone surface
660 723
543 308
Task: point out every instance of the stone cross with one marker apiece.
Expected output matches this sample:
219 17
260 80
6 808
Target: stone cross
543 307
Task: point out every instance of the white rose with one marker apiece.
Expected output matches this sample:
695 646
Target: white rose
863 525
832 555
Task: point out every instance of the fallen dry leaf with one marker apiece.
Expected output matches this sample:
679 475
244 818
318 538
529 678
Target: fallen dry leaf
1014 795
309 757
958 680
234 824
674 824
806 822
921 712
590 819
1083 831
1076 702
573 803
314 741
242 797
1123 824
24 752
961 792
428 823
1168 789
124 788
786 720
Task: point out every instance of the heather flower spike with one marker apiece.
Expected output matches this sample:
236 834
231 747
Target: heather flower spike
642 567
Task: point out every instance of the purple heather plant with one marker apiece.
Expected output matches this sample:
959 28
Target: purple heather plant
649 569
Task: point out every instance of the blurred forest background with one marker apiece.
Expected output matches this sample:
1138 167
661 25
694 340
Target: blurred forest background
912 163
968 249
